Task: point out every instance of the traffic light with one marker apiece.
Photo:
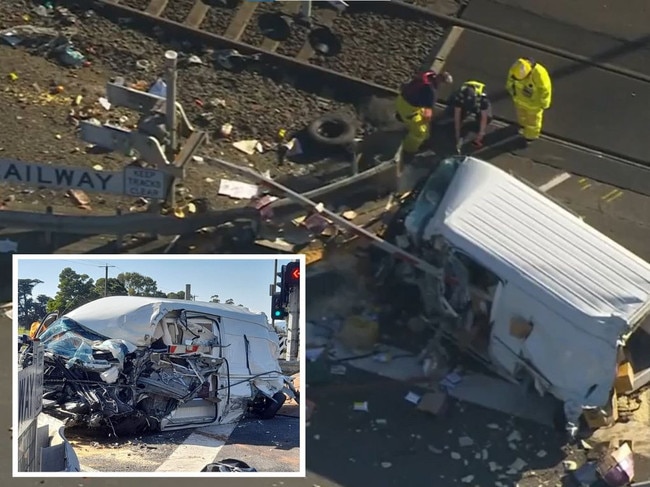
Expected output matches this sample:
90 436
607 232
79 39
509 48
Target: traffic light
291 277
278 307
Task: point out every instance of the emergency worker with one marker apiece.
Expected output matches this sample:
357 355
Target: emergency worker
530 87
467 101
415 105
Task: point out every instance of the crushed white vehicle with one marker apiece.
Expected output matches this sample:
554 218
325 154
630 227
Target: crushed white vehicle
130 364
540 296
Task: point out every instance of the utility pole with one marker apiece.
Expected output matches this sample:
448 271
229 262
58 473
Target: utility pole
106 266
293 323
273 288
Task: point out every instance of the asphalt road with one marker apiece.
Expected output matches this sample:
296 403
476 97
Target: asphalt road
590 106
611 32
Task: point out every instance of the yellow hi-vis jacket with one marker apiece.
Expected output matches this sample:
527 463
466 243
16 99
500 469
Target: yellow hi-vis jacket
534 91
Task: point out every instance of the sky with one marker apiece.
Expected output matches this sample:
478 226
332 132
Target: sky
244 280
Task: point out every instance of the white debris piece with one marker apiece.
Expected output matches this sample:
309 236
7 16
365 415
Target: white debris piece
386 464
455 455
494 466
198 159
194 59
98 167
484 454
514 436
226 129
381 421
541 453
569 465
246 146
237 189
477 456
412 397
361 406
433 449
259 147
517 466
467 479
494 426
464 441
106 105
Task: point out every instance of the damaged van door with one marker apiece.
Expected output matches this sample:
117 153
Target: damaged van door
127 364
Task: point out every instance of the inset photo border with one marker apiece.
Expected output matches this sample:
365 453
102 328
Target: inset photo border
158 366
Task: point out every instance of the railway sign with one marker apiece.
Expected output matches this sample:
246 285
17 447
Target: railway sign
133 181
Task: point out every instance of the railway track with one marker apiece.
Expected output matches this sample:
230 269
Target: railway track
305 63
198 23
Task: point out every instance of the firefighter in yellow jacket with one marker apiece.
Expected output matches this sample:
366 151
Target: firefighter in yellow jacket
415 105
530 87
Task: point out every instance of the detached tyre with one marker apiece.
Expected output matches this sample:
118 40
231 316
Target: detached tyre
332 130
273 406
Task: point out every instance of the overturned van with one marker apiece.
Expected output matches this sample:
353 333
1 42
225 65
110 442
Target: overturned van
538 294
129 364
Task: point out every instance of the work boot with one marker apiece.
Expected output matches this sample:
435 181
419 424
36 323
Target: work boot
526 139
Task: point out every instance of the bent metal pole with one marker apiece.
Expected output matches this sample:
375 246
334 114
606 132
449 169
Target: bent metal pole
379 242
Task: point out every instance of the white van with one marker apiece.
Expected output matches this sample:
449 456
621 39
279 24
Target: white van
538 293
126 363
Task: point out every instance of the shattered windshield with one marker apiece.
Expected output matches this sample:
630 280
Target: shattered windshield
436 186
67 338
430 196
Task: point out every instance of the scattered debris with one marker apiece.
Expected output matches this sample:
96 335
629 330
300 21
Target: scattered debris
361 406
455 455
349 215
412 397
541 453
494 466
517 466
248 147
514 436
467 479
103 101
386 464
226 129
569 465
338 369
434 403
465 441
98 167
237 189
80 198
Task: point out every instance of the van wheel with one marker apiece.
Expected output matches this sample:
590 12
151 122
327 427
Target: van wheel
333 130
273 406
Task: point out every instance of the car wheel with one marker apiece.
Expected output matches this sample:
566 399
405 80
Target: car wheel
333 130
273 406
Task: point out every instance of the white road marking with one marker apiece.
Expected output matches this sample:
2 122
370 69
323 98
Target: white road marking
556 181
199 449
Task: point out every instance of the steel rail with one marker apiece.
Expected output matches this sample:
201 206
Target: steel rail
397 5
362 87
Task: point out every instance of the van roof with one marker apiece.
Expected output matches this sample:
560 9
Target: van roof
515 230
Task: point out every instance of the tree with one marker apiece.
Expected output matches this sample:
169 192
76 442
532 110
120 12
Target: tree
114 287
214 298
178 295
74 290
230 301
139 285
30 310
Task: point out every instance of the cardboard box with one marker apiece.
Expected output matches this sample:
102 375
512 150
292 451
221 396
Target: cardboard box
520 327
602 417
624 383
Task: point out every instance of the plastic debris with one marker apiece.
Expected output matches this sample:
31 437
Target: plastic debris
381 421
517 466
360 406
226 129
98 167
494 466
465 441
451 380
237 189
13 76
455 455
569 465
413 398
246 146
106 105
514 436
194 59
71 57
386 464
493 426
541 453
159 88
467 479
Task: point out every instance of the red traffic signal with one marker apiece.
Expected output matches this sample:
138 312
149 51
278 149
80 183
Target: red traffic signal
292 274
